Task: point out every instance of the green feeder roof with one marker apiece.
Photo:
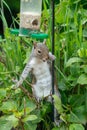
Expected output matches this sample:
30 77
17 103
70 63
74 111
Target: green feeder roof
37 35
14 31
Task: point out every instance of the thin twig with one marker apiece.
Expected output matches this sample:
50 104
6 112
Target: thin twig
28 83
22 124
24 107
28 94
25 91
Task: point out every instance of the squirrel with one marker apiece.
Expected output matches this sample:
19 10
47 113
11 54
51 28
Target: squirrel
39 65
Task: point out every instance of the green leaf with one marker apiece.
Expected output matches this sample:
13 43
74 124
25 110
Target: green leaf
62 85
56 128
30 126
29 118
84 67
7 122
58 104
61 10
76 127
14 121
38 113
82 52
19 114
81 113
63 117
61 127
73 60
30 105
73 118
8 106
46 108
82 79
2 93
4 125
76 100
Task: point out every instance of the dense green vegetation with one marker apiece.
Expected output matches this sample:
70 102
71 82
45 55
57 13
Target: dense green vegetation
19 110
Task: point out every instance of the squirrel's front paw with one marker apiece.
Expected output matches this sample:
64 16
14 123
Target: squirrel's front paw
17 83
15 86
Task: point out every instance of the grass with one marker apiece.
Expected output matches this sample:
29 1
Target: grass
70 66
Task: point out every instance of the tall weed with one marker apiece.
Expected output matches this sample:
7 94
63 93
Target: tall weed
71 70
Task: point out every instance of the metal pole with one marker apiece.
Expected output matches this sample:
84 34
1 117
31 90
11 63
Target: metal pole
53 40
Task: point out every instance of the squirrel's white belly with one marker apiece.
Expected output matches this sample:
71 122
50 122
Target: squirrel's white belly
43 86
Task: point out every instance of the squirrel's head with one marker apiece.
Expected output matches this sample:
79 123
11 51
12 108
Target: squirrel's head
41 51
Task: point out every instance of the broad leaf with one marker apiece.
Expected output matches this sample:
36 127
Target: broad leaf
82 52
73 118
76 127
19 114
82 79
58 104
46 108
14 121
76 100
61 127
5 125
73 60
8 106
2 93
7 122
30 126
63 117
29 105
81 113
29 118
85 68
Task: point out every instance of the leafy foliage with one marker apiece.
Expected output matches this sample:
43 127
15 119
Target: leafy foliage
23 113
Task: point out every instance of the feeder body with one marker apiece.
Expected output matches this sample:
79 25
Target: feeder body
30 14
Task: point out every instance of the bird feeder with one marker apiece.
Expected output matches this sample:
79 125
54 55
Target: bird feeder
30 14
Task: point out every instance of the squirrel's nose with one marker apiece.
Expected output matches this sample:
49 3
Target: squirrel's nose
44 59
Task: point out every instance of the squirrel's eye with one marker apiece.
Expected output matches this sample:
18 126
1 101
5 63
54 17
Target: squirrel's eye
39 51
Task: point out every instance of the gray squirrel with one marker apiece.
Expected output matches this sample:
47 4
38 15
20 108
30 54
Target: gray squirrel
39 65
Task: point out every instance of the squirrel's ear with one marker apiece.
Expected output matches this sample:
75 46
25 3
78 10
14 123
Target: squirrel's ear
44 42
51 56
35 44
